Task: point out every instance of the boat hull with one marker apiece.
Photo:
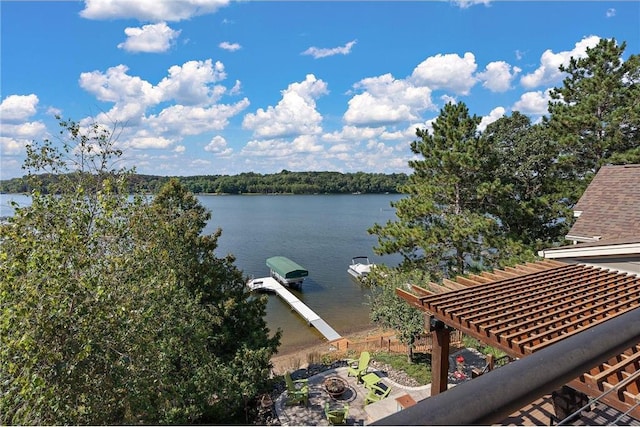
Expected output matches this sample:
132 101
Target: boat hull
360 269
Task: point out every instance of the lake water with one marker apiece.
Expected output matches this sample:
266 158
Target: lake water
320 232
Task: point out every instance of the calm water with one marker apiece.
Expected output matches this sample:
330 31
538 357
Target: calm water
320 232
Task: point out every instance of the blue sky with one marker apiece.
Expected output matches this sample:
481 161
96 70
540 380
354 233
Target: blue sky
224 87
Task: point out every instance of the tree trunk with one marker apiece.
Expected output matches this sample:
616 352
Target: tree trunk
410 353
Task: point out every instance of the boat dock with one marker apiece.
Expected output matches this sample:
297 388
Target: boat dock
286 271
271 284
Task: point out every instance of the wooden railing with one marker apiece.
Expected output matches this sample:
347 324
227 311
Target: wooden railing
389 342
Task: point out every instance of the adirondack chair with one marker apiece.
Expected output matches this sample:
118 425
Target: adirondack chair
377 392
358 367
336 416
297 391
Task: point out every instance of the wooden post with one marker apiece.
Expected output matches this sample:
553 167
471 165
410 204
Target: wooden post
490 361
440 359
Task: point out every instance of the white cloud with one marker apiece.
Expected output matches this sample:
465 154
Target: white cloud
498 76
15 137
236 89
324 52
151 38
218 146
18 107
548 73
179 149
231 47
141 143
24 130
611 13
493 116
280 148
117 86
386 100
191 91
426 125
190 83
188 120
341 148
446 99
16 131
11 146
465 4
448 71
534 103
352 134
150 10
295 113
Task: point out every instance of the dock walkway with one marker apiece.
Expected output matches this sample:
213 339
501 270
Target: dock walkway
271 284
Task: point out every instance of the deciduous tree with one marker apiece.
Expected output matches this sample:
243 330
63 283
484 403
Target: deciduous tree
115 310
390 311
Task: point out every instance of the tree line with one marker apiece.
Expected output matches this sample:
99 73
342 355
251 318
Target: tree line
284 182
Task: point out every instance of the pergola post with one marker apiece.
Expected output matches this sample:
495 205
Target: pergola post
440 337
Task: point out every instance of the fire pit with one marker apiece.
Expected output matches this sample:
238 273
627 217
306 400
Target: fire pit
335 386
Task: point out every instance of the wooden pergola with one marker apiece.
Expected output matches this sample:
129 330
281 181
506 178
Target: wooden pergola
524 309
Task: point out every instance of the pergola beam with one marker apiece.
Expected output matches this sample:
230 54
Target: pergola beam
525 313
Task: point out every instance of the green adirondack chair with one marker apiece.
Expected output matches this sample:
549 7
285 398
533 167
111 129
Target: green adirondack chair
358 367
297 391
336 416
377 392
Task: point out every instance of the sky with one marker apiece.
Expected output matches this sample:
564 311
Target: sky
221 87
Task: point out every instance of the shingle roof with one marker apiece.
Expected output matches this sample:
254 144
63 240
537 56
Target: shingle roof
610 207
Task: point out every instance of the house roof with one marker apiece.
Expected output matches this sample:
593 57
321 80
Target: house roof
525 309
609 209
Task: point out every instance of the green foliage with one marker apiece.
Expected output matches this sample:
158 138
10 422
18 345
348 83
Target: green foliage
480 201
532 197
595 115
116 310
284 182
470 342
444 226
420 370
389 310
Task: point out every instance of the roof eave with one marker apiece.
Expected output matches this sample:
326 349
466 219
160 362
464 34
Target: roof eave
591 251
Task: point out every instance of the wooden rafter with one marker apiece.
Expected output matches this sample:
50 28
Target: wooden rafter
523 309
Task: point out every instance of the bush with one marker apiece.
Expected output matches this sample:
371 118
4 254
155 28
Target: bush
420 370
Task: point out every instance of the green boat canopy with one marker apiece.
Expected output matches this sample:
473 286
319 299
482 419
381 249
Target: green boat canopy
286 268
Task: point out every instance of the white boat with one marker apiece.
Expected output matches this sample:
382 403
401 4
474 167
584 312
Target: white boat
360 267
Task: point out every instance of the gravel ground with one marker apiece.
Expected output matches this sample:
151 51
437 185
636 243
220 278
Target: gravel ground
472 358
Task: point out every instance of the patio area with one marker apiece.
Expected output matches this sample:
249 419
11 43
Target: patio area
354 396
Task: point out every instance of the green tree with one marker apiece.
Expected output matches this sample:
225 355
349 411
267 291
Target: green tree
443 225
532 197
389 310
595 115
115 310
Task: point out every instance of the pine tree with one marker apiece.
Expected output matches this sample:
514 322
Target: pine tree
443 225
595 115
